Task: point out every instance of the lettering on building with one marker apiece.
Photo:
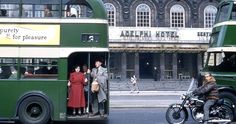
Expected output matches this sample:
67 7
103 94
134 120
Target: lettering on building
204 36
167 35
136 35
149 35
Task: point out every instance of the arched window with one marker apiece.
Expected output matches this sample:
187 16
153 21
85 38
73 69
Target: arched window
111 14
177 16
209 16
143 18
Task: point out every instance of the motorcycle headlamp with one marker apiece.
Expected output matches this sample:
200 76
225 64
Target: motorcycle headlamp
182 97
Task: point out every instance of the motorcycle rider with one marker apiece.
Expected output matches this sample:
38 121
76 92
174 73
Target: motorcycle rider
210 91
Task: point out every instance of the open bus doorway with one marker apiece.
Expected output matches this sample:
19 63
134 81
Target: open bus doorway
87 59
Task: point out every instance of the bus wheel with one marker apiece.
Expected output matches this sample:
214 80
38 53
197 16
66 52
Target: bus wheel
34 110
230 99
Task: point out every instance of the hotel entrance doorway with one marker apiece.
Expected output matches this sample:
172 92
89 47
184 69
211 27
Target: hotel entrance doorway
146 65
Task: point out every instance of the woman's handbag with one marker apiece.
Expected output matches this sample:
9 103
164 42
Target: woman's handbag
95 86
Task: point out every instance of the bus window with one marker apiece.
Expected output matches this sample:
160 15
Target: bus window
7 68
233 13
214 38
9 10
223 13
76 9
40 9
218 63
40 68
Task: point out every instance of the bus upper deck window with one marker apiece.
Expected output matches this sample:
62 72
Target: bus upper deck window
223 13
40 9
76 9
9 10
233 13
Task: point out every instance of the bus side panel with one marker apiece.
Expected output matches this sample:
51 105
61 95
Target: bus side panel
230 37
225 80
12 91
71 35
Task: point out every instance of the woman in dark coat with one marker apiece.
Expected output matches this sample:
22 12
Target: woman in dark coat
76 94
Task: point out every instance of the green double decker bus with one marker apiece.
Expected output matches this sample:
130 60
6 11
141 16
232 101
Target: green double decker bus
221 54
40 43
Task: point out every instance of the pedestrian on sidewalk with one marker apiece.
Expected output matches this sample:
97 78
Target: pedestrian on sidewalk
155 74
134 87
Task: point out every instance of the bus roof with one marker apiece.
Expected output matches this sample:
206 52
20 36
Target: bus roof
98 8
227 1
222 49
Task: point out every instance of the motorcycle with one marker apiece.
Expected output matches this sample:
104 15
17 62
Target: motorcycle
220 112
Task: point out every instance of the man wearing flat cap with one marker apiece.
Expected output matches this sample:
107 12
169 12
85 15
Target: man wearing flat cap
100 75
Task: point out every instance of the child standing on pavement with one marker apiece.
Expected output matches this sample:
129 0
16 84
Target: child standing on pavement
134 87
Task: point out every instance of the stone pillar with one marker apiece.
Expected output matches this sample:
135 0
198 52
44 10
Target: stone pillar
155 60
199 62
123 66
162 66
136 65
175 71
192 65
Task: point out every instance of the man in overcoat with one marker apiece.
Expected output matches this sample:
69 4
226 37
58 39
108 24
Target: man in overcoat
99 98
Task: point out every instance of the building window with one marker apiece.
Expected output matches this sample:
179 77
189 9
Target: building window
111 14
143 17
177 16
209 16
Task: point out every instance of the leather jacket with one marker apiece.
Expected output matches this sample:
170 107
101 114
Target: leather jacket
208 89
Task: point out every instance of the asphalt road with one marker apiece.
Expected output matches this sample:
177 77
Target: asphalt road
139 116
132 116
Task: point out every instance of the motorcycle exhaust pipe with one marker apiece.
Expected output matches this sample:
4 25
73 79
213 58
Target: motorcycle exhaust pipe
224 121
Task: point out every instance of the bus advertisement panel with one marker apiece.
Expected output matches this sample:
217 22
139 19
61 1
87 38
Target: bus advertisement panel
28 34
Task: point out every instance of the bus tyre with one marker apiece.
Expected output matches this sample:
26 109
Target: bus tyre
230 99
34 110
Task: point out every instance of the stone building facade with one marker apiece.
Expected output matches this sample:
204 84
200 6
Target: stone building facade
159 39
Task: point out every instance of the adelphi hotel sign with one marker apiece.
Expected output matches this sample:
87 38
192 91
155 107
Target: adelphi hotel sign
168 35
160 34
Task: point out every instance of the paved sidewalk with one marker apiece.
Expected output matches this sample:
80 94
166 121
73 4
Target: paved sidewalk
147 93
150 85
144 99
151 94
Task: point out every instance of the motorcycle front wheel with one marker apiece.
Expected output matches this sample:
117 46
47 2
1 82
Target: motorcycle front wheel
175 114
